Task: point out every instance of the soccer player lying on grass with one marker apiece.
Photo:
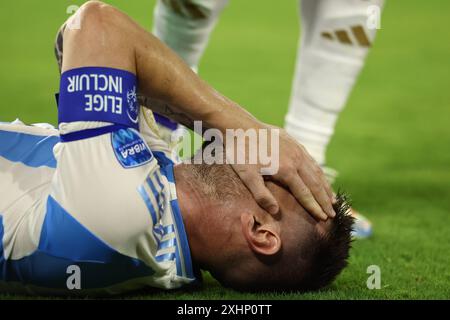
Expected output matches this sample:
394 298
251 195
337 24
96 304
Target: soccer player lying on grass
97 207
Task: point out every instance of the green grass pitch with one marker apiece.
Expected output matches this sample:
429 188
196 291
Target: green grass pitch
391 144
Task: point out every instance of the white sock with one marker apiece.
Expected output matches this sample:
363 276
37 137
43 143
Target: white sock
335 40
185 26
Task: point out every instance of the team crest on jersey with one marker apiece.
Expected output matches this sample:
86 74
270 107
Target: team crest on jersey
130 149
133 107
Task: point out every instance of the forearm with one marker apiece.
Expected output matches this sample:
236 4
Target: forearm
167 110
177 92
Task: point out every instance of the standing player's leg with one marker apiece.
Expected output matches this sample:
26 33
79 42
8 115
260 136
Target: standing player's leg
334 43
186 25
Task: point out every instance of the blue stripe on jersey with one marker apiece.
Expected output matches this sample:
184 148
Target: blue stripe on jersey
148 203
166 122
159 229
65 242
156 194
158 233
161 186
31 150
166 165
183 239
168 243
166 257
163 230
169 229
159 181
167 170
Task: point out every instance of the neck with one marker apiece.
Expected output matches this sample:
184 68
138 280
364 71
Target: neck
194 211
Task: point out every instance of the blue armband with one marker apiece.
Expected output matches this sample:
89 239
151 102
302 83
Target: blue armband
98 94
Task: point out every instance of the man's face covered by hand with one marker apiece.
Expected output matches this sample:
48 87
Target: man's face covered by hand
253 249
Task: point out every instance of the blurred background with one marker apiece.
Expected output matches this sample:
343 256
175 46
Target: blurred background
392 143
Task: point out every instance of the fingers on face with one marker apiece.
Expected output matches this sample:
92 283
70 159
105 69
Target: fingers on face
304 196
313 177
322 197
262 195
324 181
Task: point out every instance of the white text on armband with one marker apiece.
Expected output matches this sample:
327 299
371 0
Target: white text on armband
95 82
105 103
98 83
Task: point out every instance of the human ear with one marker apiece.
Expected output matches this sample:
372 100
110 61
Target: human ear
261 237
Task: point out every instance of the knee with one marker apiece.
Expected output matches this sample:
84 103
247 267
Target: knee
93 6
93 15
99 36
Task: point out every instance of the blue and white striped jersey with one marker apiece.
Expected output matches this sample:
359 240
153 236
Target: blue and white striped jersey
83 217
